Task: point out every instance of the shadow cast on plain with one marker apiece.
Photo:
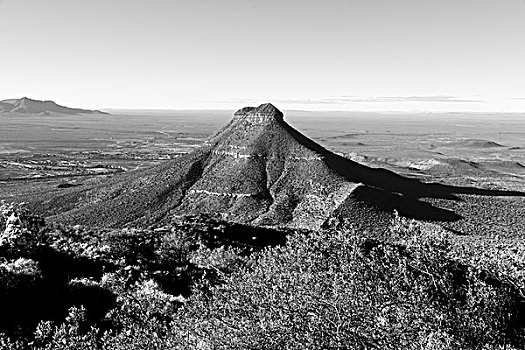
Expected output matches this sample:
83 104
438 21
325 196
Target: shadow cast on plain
389 191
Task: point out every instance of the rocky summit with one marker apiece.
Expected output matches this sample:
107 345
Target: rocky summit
257 169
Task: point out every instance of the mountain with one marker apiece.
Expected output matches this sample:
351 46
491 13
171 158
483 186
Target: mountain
259 170
27 105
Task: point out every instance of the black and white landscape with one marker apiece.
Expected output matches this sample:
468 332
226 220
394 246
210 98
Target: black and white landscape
177 207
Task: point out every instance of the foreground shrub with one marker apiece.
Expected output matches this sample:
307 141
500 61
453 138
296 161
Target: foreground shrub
322 290
334 290
66 336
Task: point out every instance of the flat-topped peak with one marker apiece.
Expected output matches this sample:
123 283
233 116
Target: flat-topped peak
30 105
266 110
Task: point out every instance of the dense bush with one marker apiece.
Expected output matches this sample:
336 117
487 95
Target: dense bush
120 278
332 289
503 257
336 290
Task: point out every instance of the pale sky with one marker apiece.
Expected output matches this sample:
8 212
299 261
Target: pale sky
377 55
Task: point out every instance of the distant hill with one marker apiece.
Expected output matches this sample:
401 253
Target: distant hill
258 170
27 105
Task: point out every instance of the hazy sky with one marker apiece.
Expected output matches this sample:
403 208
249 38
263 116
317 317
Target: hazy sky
383 55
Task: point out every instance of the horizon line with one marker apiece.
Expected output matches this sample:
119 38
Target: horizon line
310 110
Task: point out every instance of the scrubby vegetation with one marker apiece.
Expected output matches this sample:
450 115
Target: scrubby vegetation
202 284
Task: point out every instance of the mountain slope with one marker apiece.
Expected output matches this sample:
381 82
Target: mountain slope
251 171
27 105
259 170
259 173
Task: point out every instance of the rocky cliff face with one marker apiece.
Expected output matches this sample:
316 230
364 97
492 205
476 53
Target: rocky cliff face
265 113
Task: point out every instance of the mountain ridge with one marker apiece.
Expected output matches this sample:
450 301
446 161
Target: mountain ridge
30 106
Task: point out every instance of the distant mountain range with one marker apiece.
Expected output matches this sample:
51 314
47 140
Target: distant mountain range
258 170
27 105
